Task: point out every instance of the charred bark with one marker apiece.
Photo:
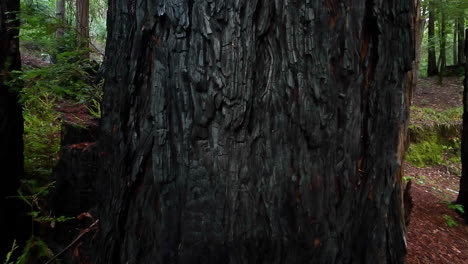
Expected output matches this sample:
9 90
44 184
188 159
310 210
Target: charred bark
73 194
463 193
74 174
254 132
11 131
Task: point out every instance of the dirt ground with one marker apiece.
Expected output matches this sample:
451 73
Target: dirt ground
429 93
430 239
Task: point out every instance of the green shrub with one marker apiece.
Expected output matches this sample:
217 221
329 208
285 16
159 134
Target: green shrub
425 153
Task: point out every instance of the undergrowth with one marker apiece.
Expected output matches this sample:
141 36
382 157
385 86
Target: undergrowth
69 77
435 137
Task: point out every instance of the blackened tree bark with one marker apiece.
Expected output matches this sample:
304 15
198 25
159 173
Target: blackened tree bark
11 130
431 50
254 131
463 193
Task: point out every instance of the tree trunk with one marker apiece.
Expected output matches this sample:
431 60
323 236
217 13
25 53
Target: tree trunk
455 42
463 194
11 131
461 39
443 43
431 51
60 32
82 22
419 24
60 15
254 132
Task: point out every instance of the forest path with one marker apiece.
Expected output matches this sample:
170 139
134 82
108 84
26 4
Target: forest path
430 239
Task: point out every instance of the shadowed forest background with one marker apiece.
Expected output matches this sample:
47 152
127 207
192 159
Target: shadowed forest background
233 131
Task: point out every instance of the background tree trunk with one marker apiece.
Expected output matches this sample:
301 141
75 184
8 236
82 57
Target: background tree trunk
461 39
60 15
443 43
419 24
254 132
82 22
455 42
11 132
463 194
431 51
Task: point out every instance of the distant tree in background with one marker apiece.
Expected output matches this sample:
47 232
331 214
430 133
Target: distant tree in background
419 25
445 20
461 36
442 30
82 23
432 60
60 15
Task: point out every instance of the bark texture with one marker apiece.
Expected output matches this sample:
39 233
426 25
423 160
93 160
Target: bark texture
254 131
432 69
442 43
60 15
461 39
418 29
463 194
455 42
11 130
74 174
82 22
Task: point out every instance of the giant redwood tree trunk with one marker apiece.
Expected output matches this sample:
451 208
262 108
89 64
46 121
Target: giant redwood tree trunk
11 130
254 131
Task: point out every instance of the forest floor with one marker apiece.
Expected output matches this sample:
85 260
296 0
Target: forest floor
437 234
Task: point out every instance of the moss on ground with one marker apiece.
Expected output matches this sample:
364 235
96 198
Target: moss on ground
434 136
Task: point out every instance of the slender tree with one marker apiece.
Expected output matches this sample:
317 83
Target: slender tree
432 60
60 15
11 130
82 22
455 42
463 194
419 24
254 131
443 41
461 37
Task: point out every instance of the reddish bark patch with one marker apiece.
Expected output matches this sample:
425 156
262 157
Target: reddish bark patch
76 114
82 146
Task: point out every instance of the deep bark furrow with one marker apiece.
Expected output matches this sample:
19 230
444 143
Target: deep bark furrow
276 129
